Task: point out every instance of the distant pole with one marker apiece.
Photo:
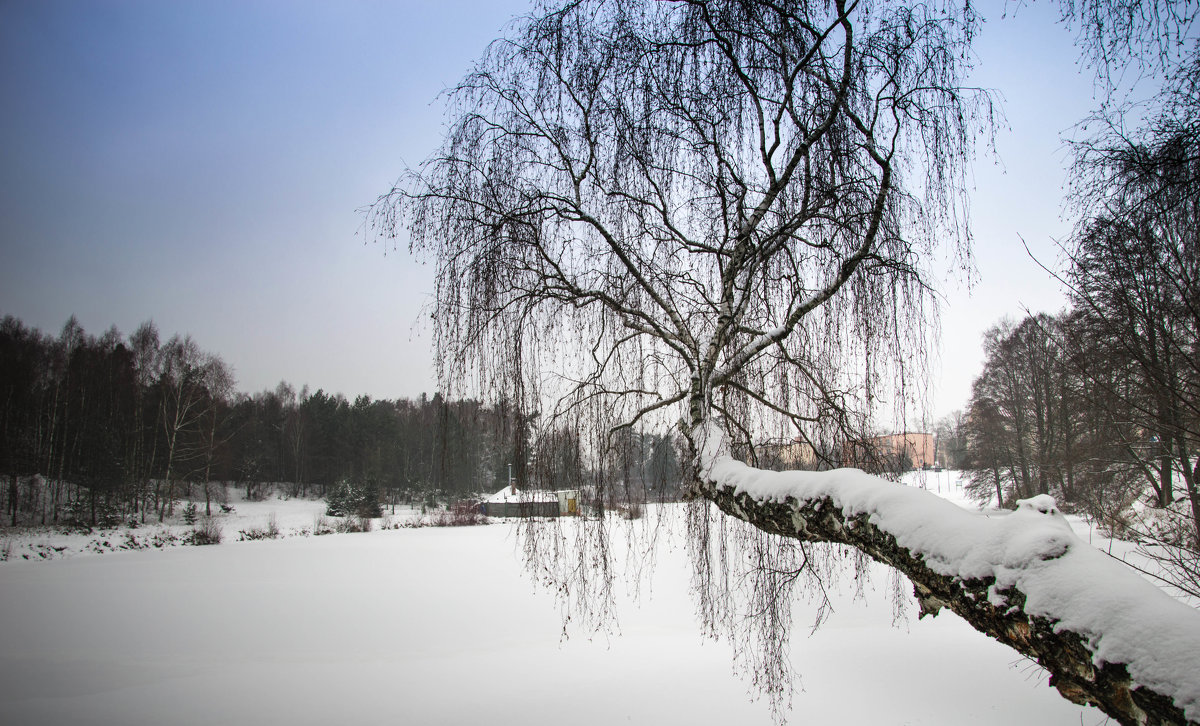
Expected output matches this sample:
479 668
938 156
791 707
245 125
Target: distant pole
512 489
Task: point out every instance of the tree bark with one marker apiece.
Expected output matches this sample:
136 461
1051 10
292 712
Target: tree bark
1069 656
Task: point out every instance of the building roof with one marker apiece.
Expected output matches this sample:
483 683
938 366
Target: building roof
507 494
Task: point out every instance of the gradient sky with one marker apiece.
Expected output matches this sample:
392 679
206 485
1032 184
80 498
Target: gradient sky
200 163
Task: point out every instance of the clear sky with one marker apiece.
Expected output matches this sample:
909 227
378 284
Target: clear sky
200 163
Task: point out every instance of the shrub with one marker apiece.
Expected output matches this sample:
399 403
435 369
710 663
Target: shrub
460 514
208 532
322 526
189 514
353 523
271 531
1165 536
632 510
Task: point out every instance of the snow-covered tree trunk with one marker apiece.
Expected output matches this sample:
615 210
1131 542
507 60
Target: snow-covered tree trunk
1108 637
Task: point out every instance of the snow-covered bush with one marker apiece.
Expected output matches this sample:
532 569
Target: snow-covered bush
460 514
207 532
270 531
353 523
322 526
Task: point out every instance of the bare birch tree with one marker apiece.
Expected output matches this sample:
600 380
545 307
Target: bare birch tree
715 212
725 204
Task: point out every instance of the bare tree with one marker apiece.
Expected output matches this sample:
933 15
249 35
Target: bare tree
715 212
1025 405
1135 273
219 389
951 432
727 201
145 347
1135 277
184 401
990 459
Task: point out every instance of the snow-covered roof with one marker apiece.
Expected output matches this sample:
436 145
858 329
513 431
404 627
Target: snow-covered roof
507 494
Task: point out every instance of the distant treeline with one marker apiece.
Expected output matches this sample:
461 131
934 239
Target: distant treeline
99 428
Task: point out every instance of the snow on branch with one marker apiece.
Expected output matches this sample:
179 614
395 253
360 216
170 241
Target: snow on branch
1106 635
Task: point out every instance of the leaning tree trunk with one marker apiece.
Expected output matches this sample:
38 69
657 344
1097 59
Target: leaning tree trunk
1107 637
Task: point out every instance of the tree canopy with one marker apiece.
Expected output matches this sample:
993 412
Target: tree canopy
692 209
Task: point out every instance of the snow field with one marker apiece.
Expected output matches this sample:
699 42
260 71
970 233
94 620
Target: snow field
440 626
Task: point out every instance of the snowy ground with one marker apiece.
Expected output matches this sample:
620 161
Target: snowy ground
291 518
439 626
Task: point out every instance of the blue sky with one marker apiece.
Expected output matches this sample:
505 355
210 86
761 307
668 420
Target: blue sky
201 163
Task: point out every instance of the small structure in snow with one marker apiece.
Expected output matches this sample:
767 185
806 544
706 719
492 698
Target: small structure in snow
568 501
513 502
